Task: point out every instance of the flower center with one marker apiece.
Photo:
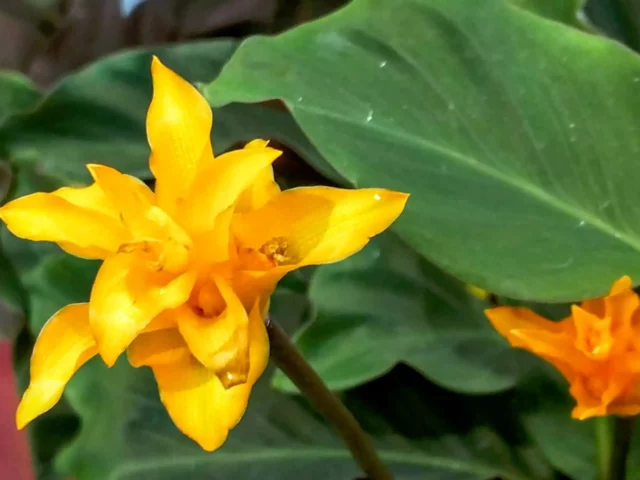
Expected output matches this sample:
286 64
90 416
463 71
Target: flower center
207 301
597 340
277 250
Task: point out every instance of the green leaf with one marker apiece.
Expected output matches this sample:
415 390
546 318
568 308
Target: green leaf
17 93
422 431
13 299
24 254
545 411
519 185
58 280
97 115
242 123
383 306
127 434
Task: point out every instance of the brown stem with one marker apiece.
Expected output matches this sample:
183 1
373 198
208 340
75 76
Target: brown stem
289 359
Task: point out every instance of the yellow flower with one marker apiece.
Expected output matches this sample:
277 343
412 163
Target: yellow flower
188 269
596 349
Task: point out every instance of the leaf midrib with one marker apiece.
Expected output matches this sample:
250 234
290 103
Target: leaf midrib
520 184
419 459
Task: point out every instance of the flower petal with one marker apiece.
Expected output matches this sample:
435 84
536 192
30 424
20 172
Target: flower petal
622 284
220 183
178 129
160 347
197 401
262 189
130 197
507 319
80 220
152 230
220 343
65 343
320 224
126 296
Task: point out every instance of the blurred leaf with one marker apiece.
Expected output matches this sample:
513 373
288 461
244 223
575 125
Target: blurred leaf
98 114
518 184
58 280
569 444
545 408
17 93
13 300
565 11
424 432
242 123
619 19
384 305
25 254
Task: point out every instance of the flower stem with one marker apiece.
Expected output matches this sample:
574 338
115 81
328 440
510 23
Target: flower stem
622 432
604 444
289 359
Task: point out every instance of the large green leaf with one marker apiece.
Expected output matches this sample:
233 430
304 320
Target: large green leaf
518 143
423 432
383 306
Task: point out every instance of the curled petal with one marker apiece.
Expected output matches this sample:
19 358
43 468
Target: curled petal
200 406
319 224
159 347
220 343
178 129
127 296
65 344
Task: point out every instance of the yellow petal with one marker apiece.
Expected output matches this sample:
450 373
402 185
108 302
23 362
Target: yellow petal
215 245
197 401
160 347
152 230
262 189
79 220
220 183
178 129
258 342
320 224
130 197
126 296
65 343
220 343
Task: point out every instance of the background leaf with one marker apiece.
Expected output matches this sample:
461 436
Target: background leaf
509 172
17 93
385 305
97 115
423 431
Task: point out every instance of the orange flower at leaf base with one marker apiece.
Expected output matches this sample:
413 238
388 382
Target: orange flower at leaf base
597 348
188 269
